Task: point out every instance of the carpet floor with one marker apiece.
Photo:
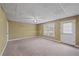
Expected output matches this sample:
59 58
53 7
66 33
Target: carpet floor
39 46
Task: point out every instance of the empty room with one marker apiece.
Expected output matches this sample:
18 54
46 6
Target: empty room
39 29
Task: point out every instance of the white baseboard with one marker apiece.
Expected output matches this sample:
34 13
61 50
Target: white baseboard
21 38
57 41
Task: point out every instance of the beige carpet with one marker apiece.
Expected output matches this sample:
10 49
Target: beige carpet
39 47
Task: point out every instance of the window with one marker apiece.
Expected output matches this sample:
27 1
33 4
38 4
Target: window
67 27
48 29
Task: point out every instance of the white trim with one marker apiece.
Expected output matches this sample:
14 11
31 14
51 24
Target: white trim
21 38
6 40
57 41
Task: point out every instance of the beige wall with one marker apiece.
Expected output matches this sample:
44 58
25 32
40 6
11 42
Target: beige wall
77 30
20 30
39 29
3 30
57 30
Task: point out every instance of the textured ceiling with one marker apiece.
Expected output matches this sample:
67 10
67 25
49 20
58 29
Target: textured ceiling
39 12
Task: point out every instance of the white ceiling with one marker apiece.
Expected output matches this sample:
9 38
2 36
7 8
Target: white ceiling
39 12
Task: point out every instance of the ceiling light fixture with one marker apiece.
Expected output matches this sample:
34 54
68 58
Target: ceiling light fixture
35 19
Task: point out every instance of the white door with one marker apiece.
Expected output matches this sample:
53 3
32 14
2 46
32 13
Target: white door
68 32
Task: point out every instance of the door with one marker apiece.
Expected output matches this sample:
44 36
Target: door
68 32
